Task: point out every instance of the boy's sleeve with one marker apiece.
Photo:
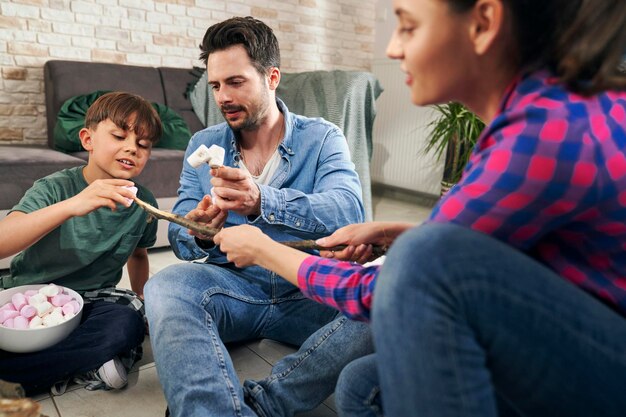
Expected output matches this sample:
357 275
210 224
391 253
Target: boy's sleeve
41 194
148 239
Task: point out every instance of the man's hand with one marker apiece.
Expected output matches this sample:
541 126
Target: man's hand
101 193
209 214
235 190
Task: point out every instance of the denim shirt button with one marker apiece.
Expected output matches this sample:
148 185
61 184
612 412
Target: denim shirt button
272 217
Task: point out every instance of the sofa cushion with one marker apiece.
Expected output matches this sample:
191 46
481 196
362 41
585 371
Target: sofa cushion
65 79
175 85
71 119
21 166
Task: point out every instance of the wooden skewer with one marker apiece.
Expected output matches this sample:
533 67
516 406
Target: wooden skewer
209 232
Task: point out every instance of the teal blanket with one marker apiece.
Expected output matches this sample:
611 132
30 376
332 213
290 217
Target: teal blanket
345 98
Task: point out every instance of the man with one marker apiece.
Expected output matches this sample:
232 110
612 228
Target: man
290 176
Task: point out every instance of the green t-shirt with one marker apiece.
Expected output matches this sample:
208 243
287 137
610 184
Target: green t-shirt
84 253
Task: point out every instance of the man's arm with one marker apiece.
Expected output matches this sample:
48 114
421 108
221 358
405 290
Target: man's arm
138 270
334 201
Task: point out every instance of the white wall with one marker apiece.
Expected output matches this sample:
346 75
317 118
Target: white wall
400 128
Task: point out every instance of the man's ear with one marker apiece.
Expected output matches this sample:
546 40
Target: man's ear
273 78
85 138
487 24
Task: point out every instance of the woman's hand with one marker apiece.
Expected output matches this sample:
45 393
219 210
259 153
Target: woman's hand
243 244
360 239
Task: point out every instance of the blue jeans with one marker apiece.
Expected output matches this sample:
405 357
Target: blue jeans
358 390
194 308
465 325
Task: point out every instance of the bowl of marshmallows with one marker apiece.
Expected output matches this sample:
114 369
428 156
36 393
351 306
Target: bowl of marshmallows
34 317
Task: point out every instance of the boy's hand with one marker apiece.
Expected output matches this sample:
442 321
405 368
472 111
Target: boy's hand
235 191
102 193
209 214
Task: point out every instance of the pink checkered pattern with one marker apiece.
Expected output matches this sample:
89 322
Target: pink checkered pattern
547 176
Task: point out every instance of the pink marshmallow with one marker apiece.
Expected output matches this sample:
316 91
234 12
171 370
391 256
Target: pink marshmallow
20 323
60 300
7 306
10 323
8 314
28 311
71 308
18 300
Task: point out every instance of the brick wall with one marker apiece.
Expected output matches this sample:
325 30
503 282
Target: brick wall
313 34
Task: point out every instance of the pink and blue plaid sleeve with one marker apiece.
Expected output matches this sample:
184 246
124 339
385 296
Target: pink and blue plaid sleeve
346 286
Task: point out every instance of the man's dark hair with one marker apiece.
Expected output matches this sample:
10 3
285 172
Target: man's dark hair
255 36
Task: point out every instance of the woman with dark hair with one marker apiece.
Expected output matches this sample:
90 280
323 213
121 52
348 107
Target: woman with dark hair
511 299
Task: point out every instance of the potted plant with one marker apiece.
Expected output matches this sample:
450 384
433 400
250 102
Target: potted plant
454 132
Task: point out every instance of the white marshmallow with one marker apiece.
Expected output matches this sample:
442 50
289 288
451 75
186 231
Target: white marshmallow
52 319
37 299
133 190
43 308
214 156
49 290
36 322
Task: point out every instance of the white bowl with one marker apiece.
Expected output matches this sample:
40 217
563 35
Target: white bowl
32 340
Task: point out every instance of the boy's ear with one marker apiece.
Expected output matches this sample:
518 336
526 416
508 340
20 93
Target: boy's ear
85 138
487 24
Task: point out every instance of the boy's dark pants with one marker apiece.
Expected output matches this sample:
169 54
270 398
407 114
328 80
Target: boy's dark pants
106 330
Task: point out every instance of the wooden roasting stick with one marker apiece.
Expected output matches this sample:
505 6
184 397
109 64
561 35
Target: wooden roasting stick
211 231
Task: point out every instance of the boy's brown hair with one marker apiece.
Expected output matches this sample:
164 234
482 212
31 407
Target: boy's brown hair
119 107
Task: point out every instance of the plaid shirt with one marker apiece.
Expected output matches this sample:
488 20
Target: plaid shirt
547 176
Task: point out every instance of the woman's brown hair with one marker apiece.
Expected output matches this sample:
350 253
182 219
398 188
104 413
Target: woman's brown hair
582 41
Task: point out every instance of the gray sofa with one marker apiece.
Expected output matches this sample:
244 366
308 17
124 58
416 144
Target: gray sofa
20 166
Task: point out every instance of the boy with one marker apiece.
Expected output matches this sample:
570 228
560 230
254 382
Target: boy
77 228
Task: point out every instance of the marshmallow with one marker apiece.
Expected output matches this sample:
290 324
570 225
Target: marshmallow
53 319
28 311
33 309
8 314
133 190
49 290
60 300
37 299
43 308
214 156
20 323
70 309
7 306
18 300
36 322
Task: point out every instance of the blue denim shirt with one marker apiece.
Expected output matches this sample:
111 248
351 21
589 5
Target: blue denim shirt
314 191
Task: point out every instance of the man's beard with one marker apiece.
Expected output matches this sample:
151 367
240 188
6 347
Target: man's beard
249 122
253 115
